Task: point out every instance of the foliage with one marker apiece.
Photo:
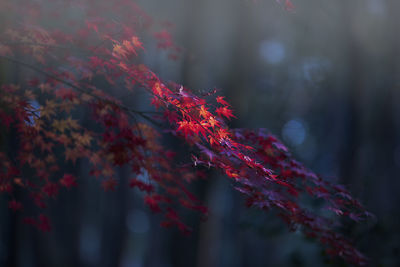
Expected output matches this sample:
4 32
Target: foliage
65 71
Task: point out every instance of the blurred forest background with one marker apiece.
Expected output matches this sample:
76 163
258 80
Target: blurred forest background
324 78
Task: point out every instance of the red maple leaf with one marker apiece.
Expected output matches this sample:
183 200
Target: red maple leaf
220 99
6 119
152 201
68 180
225 111
14 205
142 186
51 189
44 223
65 93
109 184
289 5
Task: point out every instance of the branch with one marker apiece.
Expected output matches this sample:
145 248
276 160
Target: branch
79 89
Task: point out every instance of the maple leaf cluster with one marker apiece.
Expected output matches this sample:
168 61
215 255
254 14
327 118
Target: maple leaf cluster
40 113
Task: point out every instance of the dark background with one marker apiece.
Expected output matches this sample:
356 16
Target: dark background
324 78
